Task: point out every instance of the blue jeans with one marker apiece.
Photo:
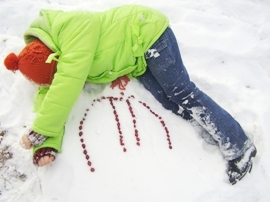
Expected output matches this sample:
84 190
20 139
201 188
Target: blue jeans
167 79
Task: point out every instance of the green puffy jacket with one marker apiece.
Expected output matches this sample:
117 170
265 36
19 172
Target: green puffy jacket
95 47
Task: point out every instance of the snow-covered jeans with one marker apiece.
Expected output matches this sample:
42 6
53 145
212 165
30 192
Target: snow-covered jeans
167 79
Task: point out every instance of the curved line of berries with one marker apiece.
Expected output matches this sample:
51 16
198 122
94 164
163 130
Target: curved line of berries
87 157
161 121
136 133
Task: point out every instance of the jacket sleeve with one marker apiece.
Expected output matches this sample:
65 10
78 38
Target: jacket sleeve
77 39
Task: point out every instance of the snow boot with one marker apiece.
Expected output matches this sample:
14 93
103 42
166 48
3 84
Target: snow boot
237 168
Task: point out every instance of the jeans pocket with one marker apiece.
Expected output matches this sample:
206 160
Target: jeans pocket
162 59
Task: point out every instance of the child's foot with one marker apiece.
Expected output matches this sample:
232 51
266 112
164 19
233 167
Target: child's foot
237 168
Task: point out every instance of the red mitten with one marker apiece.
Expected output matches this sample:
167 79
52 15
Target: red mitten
47 151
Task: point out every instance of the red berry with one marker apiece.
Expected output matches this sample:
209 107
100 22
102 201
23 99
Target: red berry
80 127
87 157
124 149
80 133
83 145
92 169
89 163
138 144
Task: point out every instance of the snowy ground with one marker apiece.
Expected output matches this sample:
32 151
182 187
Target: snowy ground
225 46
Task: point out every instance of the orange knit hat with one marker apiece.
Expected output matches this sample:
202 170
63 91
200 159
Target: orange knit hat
32 63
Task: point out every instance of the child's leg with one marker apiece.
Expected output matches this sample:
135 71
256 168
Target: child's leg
165 63
151 84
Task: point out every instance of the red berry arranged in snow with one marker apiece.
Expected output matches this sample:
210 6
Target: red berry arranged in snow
82 141
161 121
136 132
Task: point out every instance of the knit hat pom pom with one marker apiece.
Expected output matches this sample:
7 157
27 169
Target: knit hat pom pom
11 62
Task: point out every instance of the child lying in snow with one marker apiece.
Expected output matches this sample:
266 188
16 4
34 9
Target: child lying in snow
66 49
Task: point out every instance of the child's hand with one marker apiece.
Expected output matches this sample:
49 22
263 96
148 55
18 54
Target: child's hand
25 143
32 139
45 160
44 156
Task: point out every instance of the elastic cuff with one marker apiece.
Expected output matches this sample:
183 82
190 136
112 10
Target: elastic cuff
35 138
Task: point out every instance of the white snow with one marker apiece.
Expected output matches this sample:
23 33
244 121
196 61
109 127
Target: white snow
225 46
